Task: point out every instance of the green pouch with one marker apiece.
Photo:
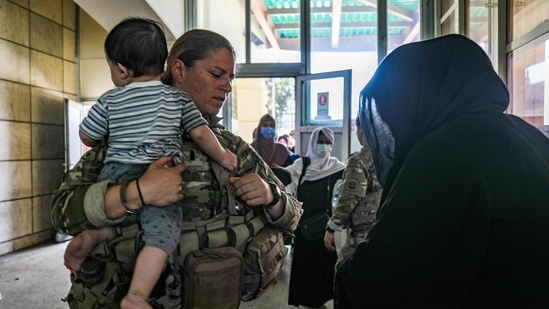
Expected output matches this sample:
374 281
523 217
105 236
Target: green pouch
314 226
212 278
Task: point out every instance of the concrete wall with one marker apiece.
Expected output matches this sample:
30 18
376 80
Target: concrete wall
37 72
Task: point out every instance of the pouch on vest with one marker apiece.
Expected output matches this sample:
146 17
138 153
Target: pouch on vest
263 259
212 278
232 227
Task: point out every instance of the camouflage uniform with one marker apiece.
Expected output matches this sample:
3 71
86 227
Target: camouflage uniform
79 204
359 197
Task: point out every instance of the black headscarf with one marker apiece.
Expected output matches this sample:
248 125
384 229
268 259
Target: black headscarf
465 206
429 95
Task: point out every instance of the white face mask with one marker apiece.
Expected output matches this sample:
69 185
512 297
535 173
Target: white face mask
323 149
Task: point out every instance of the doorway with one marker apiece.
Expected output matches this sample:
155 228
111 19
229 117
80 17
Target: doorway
300 103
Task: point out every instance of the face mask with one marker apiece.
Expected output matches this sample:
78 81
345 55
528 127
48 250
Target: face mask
323 149
267 133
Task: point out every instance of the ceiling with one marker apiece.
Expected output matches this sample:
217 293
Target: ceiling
108 13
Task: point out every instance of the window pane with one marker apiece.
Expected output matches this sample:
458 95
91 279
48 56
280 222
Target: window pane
344 36
529 81
275 31
324 105
526 15
479 25
449 20
232 26
402 23
252 98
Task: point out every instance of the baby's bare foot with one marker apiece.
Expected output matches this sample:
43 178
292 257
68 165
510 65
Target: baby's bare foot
82 244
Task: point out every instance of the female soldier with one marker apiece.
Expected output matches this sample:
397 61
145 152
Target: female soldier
202 64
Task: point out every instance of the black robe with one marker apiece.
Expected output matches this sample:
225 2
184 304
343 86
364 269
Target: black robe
464 218
312 273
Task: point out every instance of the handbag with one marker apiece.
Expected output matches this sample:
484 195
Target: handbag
314 226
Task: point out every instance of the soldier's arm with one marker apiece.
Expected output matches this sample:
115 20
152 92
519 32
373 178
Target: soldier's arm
81 204
249 162
79 197
351 191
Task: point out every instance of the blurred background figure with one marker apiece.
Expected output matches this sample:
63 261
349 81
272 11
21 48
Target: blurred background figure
274 154
284 140
291 140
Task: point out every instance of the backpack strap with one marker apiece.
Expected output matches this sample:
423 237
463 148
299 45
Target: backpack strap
306 163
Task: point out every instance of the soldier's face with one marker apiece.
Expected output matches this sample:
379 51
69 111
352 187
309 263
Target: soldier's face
209 81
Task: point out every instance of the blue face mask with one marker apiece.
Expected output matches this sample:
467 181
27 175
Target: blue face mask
268 133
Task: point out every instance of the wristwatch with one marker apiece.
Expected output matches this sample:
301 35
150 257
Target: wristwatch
276 194
123 199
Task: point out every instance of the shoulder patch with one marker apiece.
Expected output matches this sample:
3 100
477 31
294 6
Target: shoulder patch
351 185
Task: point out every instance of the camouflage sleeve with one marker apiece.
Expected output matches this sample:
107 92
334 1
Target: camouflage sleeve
250 162
70 204
352 190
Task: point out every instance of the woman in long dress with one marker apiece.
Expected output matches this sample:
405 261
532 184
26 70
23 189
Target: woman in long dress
312 272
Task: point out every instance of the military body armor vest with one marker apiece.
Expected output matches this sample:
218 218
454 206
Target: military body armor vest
212 218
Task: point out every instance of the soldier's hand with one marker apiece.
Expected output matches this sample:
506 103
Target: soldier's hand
161 183
329 241
252 189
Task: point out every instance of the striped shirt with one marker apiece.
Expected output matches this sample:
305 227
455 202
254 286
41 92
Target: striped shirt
143 121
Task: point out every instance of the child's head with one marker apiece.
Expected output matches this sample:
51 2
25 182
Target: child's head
137 44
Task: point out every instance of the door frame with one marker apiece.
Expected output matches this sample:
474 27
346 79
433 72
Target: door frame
342 131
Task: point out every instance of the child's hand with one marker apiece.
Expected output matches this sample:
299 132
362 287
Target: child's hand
230 160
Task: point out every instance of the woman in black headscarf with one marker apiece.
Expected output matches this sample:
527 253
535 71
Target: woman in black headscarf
465 209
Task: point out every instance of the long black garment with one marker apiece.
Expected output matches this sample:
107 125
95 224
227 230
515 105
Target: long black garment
464 218
312 274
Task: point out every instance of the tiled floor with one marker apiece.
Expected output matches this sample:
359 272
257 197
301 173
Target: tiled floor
35 278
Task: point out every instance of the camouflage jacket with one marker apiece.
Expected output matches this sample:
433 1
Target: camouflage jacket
78 204
359 194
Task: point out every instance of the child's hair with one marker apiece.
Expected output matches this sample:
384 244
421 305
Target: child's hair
139 44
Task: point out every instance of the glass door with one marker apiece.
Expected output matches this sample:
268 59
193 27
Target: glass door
324 99
74 149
